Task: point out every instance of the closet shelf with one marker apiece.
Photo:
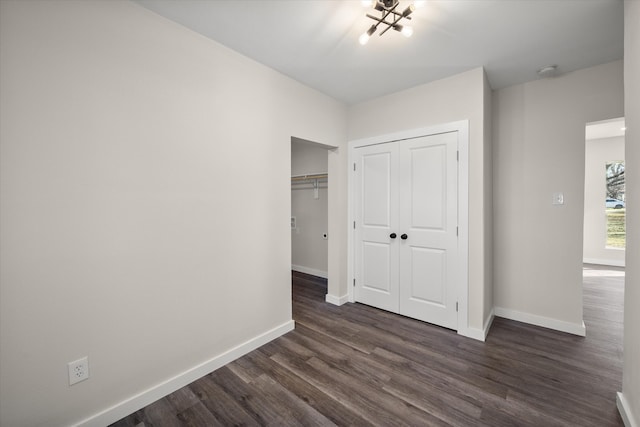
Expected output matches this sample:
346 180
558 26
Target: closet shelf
314 178
310 177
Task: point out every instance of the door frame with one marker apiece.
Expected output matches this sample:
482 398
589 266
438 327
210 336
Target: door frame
462 278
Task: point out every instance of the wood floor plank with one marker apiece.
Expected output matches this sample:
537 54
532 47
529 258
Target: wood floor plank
291 408
224 408
160 414
245 394
330 406
357 365
198 415
183 399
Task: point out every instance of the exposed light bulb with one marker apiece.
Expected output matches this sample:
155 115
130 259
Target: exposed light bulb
419 4
367 3
364 38
407 31
408 11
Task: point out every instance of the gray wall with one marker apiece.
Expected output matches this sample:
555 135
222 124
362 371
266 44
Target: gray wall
126 141
631 376
539 133
308 247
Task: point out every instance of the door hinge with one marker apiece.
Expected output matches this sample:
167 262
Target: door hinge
354 283
354 167
456 231
458 155
354 225
456 306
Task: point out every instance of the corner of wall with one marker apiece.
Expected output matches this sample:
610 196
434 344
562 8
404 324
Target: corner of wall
631 340
625 411
488 198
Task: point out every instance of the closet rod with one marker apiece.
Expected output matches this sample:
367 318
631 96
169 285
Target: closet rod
309 177
314 178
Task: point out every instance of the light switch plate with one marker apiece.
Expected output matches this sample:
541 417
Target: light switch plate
558 199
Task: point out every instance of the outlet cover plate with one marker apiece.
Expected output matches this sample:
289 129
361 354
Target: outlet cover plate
78 370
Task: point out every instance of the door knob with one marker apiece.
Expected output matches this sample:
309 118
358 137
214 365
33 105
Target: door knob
393 235
404 237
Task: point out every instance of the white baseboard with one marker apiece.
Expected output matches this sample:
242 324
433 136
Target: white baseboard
545 322
311 271
611 262
332 299
625 411
478 334
140 400
488 322
474 333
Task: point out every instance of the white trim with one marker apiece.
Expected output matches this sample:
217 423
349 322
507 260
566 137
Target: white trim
545 322
610 262
158 391
625 411
487 323
332 299
479 334
462 127
474 333
463 223
311 271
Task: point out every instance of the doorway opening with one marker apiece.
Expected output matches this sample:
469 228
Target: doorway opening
604 194
309 208
604 233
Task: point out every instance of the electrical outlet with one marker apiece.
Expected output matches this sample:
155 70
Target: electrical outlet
78 370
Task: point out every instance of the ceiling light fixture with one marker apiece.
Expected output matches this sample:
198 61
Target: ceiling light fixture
387 9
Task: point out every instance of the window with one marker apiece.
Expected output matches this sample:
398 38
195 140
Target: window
615 205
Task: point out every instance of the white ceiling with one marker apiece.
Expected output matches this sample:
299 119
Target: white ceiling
316 41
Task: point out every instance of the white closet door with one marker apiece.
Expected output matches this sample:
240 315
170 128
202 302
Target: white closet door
406 214
377 218
428 219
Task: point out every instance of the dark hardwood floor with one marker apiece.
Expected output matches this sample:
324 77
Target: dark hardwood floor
356 365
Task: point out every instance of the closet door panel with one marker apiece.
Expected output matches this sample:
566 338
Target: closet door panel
427 187
428 284
377 218
428 217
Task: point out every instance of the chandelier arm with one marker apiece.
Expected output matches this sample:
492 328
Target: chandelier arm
399 14
379 20
391 25
382 20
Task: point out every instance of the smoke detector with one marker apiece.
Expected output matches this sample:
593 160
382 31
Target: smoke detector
547 71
